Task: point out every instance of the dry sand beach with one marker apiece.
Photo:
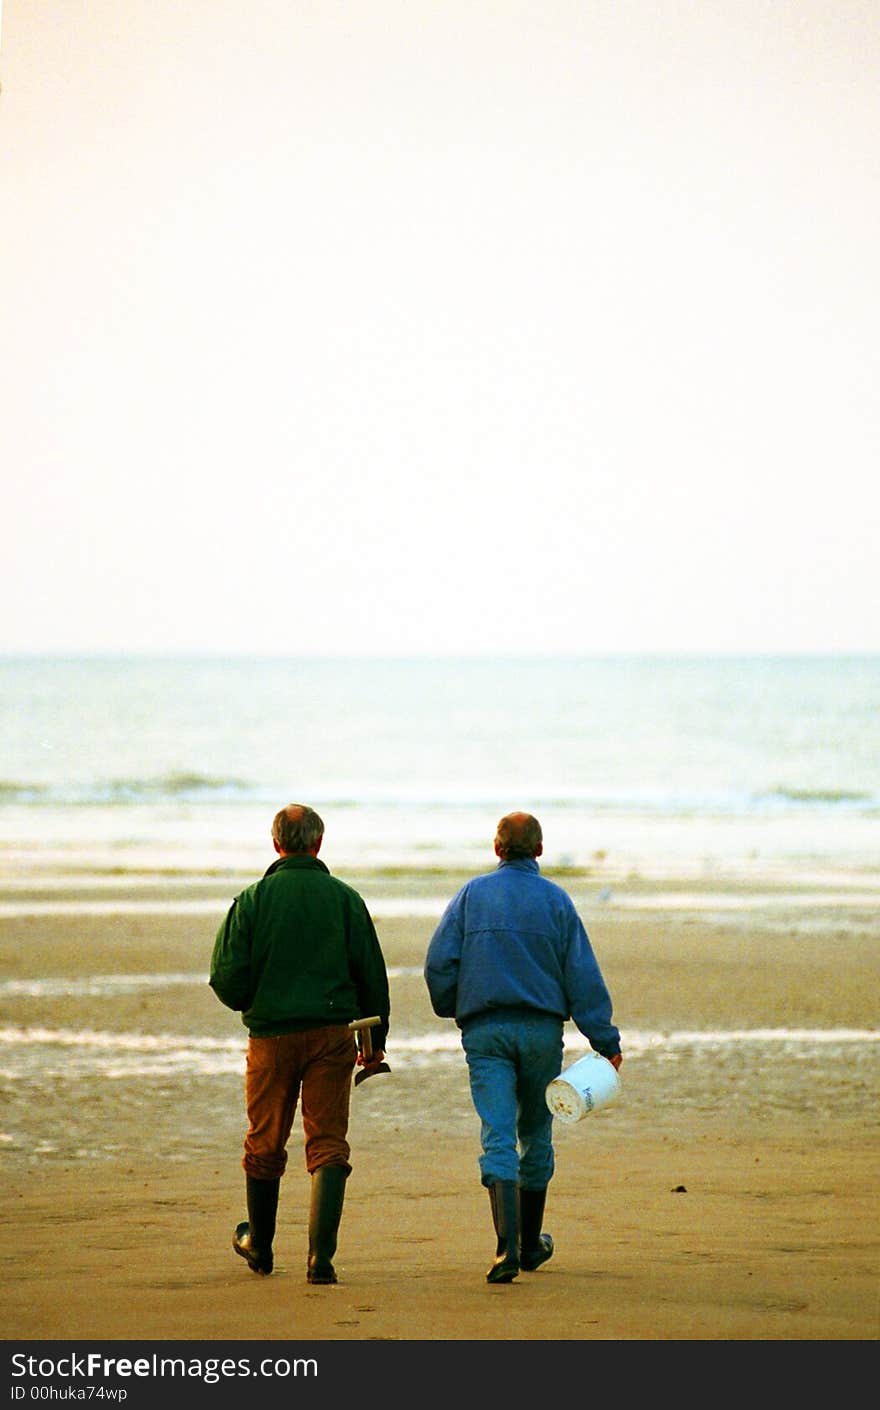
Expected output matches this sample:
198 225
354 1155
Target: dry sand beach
729 1194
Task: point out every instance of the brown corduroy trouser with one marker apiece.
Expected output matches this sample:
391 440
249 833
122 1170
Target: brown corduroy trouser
312 1069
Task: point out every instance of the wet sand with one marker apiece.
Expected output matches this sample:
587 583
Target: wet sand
729 1194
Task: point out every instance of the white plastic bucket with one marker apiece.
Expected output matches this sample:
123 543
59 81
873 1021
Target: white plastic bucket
590 1083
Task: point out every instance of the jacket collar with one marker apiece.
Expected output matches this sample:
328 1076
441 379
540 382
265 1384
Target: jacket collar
520 864
296 862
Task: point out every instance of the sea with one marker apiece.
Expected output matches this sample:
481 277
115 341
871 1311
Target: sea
690 764
128 784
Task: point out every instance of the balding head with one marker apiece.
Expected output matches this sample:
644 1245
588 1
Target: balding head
518 835
297 829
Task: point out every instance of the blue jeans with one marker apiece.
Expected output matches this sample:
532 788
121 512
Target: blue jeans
511 1057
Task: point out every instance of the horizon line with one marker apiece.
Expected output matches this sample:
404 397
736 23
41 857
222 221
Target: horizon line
470 654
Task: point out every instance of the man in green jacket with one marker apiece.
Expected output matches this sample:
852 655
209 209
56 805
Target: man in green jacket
299 958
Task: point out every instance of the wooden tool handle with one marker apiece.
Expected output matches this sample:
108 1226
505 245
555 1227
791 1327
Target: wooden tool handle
362 1026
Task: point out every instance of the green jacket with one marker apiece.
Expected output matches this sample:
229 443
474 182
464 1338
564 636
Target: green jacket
298 949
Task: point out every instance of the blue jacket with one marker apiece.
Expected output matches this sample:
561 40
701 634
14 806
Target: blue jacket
513 939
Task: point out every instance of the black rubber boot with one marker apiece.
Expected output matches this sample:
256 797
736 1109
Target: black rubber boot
325 1212
535 1247
504 1199
253 1238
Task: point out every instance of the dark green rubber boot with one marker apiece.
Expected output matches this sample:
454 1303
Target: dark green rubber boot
253 1238
534 1247
325 1212
504 1199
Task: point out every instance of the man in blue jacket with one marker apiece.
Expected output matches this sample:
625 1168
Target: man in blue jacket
299 958
511 961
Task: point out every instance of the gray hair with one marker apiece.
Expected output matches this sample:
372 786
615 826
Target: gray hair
297 828
518 835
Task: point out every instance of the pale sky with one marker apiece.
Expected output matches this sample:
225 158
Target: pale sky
413 326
